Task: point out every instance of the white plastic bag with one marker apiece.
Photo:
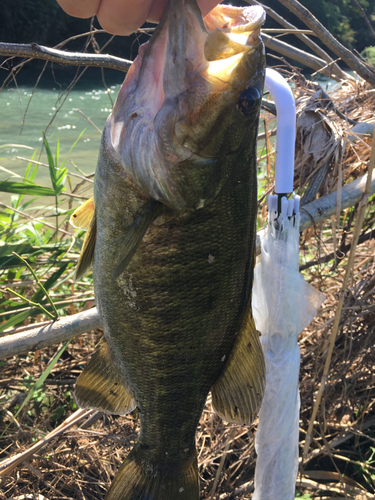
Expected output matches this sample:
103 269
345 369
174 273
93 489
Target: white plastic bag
283 305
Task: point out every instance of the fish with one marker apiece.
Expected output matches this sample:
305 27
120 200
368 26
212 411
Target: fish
171 237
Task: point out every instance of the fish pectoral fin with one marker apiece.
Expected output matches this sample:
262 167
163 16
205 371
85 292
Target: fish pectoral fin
83 216
101 386
135 235
219 46
86 258
238 392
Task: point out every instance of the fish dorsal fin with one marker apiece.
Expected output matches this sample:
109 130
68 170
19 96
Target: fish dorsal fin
101 386
238 392
135 235
82 217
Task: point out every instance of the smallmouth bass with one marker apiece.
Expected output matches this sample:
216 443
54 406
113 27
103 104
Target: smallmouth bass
171 236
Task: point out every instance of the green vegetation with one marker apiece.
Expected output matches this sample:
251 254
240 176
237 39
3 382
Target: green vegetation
37 257
301 496
369 55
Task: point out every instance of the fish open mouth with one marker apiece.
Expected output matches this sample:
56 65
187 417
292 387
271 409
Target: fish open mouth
240 24
233 32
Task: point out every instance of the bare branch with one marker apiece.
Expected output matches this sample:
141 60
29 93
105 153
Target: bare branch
298 55
49 334
35 51
323 208
339 253
330 41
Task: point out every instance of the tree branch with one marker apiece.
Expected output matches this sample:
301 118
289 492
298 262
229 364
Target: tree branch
35 51
330 41
366 18
52 333
321 209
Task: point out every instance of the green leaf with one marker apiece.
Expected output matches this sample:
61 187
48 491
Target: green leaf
25 188
14 320
57 150
61 175
31 176
21 248
58 412
51 164
71 149
39 294
23 207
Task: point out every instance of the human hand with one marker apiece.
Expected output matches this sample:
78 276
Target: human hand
123 17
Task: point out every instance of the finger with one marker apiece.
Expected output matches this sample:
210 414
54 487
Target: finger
158 7
207 5
82 9
122 17
156 10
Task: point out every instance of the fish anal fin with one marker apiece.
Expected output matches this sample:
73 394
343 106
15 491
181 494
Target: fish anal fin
238 392
86 258
83 215
101 386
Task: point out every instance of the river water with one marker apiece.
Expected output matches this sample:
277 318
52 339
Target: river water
25 113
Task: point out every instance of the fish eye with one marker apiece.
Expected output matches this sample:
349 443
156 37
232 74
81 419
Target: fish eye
249 99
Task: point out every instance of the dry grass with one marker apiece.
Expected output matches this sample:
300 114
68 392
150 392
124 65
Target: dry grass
81 463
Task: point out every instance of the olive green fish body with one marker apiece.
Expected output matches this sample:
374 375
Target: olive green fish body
172 241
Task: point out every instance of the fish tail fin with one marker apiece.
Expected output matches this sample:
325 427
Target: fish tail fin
138 479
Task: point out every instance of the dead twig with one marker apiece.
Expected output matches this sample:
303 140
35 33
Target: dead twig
8 465
35 51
